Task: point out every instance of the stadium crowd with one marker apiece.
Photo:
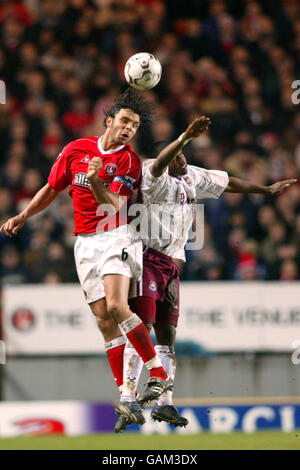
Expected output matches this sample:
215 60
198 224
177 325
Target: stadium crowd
62 63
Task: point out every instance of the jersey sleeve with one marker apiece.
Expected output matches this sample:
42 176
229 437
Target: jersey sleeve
153 185
58 179
128 176
209 184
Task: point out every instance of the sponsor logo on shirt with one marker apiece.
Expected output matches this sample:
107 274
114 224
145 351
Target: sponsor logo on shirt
86 159
152 286
80 179
111 168
182 199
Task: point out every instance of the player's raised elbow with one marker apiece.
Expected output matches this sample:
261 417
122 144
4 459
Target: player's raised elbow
157 170
230 188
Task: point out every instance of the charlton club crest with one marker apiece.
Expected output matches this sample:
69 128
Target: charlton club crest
111 168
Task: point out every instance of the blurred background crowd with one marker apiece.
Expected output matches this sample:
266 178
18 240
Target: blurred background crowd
235 61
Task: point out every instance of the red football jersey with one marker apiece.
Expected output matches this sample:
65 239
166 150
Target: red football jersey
120 173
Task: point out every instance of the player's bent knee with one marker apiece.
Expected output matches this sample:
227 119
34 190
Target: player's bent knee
104 321
107 325
117 311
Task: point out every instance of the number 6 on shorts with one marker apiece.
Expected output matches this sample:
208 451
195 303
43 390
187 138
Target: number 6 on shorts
124 254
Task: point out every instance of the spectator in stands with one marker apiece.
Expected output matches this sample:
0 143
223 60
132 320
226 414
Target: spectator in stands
12 270
235 61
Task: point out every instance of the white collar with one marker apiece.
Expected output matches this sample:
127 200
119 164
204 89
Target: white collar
108 151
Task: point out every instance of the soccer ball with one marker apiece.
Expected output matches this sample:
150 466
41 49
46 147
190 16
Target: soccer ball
142 71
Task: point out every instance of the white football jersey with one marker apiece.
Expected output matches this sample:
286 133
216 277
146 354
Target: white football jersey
170 204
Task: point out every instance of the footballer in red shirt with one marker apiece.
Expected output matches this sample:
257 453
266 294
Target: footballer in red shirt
120 173
107 255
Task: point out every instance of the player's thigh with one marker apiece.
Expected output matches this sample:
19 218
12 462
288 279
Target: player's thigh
121 255
145 308
106 324
116 287
88 259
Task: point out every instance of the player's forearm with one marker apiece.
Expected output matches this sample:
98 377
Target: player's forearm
166 156
195 129
238 185
104 195
40 201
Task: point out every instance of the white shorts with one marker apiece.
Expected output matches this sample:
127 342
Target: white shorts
101 253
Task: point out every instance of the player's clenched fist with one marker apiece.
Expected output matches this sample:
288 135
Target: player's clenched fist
94 167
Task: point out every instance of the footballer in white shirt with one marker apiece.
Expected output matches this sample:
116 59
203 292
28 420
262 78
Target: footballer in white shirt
170 188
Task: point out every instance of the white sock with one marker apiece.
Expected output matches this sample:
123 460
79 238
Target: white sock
133 365
169 364
132 322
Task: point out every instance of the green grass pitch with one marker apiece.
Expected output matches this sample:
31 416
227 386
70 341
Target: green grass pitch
270 440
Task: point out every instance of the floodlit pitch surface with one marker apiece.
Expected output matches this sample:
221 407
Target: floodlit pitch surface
271 440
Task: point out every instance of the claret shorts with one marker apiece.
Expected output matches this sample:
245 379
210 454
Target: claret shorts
160 281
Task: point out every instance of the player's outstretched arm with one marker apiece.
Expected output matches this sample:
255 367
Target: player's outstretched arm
195 129
101 193
39 202
238 185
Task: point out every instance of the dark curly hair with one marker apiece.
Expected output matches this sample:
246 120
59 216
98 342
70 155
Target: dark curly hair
132 100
